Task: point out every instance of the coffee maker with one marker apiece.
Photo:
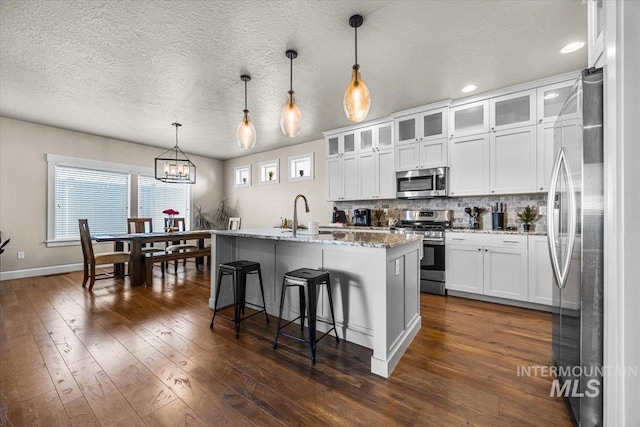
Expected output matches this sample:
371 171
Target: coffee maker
362 217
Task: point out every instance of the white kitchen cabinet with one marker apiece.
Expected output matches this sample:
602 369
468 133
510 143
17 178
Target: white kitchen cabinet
550 99
421 155
540 274
423 126
376 175
341 144
469 165
469 119
487 264
342 178
545 156
505 268
595 39
512 161
464 268
513 110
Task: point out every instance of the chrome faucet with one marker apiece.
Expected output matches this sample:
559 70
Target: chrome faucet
295 212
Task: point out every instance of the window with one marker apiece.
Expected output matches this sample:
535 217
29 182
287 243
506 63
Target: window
106 194
242 176
100 196
301 167
155 196
269 172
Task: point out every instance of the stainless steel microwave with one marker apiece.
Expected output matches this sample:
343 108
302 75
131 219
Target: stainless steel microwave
421 183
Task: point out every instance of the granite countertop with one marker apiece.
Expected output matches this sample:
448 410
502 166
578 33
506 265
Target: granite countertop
520 232
348 237
354 227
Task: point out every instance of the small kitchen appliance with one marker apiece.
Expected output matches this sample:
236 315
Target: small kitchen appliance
421 183
431 225
362 217
338 216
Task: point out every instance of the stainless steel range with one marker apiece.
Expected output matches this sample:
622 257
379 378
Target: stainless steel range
431 225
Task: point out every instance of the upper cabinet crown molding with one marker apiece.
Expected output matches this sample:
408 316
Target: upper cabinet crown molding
571 75
422 109
357 126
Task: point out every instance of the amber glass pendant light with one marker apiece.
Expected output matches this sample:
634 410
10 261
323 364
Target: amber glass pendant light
291 116
246 133
357 99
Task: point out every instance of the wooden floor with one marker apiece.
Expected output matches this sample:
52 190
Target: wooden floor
146 356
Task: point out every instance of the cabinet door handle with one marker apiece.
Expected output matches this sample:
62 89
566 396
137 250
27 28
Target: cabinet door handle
479 249
457 238
493 191
540 121
541 188
486 250
510 241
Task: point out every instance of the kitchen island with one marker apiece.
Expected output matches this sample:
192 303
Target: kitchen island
375 281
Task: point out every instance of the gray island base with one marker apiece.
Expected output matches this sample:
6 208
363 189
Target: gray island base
375 281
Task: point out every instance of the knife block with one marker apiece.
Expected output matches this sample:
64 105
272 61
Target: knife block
498 220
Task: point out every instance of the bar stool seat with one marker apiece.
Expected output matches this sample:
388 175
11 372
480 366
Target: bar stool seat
307 280
239 270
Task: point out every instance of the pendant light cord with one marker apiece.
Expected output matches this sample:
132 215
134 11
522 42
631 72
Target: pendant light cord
245 95
356 29
291 75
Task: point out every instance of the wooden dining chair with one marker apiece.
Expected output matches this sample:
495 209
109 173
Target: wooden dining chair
92 259
178 244
144 225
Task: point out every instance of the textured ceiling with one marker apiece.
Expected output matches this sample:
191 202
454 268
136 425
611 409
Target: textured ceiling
128 69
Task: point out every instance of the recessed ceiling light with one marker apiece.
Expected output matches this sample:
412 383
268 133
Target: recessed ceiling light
469 88
551 95
572 47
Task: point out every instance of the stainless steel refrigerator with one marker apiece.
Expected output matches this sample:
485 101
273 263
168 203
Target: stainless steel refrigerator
575 212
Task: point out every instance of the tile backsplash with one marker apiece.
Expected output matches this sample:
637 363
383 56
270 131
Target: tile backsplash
514 204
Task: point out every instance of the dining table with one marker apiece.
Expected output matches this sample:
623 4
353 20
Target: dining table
137 241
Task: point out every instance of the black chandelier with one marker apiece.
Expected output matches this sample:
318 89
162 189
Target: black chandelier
174 166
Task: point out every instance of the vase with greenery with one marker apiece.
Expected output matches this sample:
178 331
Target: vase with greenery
378 215
223 213
527 216
271 173
202 220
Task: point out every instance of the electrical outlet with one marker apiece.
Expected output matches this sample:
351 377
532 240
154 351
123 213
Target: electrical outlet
397 267
20 255
386 211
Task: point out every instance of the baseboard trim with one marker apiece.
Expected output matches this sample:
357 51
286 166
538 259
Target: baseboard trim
40 271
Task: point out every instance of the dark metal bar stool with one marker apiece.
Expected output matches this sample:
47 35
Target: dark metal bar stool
307 280
238 270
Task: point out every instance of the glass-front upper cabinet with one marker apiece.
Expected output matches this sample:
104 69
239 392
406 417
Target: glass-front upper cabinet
384 134
366 139
469 119
433 124
423 126
407 129
513 110
341 144
550 100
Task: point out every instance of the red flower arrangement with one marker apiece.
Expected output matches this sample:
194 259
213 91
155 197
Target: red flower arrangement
170 212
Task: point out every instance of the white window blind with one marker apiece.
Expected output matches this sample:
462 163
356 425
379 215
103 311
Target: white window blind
102 197
155 196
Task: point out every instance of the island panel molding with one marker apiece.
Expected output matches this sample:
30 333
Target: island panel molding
375 279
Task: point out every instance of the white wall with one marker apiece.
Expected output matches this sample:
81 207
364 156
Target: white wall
630 49
622 214
264 205
23 185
